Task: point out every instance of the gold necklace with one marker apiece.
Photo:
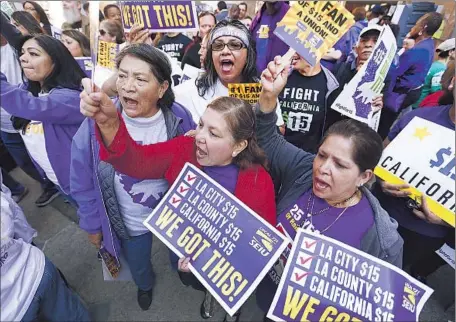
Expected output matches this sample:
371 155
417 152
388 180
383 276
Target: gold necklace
340 215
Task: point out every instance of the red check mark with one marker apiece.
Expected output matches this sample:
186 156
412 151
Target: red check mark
304 261
182 189
190 178
308 245
175 200
299 277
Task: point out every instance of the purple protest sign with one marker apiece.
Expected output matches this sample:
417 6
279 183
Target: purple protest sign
86 64
160 16
327 280
230 247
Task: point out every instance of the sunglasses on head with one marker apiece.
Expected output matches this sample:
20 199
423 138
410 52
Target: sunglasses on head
232 45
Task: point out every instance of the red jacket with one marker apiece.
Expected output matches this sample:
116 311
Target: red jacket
432 99
254 186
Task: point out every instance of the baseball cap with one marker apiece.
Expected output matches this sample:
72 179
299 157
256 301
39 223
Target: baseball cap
370 28
377 9
446 45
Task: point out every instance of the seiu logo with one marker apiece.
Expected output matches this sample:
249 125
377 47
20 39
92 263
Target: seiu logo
409 298
262 242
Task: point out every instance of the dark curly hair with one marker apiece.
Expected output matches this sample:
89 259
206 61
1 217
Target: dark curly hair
249 73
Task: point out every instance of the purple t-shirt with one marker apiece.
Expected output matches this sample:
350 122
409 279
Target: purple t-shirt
349 229
396 207
226 176
268 45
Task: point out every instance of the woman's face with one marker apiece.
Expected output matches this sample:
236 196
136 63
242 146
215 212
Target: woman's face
203 50
139 90
72 45
19 27
335 174
31 9
35 61
229 64
215 145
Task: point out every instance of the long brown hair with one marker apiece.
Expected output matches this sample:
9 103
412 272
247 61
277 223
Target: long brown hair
240 117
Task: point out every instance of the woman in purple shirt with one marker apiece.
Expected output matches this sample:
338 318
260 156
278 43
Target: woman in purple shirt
46 106
324 193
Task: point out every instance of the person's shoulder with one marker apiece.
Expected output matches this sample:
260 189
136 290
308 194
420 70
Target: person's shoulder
258 173
429 113
186 88
69 93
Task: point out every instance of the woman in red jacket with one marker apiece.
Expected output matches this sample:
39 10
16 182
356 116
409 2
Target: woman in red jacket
224 147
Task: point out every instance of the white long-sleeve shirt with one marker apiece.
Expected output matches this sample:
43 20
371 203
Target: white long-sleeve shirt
21 264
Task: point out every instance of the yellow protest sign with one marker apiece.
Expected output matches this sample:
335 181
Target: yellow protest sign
313 27
107 53
249 92
423 156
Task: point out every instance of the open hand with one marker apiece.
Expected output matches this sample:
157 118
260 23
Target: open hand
395 190
138 35
426 214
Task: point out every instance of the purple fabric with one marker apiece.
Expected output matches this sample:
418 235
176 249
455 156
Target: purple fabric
61 118
226 176
85 188
357 219
268 48
410 73
413 67
396 207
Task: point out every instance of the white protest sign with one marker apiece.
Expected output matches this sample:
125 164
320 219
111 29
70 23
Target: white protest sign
190 72
423 156
355 101
447 253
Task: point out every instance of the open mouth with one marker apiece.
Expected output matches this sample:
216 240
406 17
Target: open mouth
227 65
320 185
129 102
200 153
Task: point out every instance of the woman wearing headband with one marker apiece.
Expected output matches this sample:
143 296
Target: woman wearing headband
231 58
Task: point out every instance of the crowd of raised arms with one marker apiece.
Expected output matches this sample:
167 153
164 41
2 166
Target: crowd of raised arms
112 145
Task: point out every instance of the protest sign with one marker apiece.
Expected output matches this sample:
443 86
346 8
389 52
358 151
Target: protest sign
447 254
86 64
423 156
7 8
56 32
355 101
249 92
313 27
107 53
190 72
230 247
160 16
326 280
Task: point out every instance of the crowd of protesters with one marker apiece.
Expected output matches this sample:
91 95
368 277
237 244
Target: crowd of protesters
102 146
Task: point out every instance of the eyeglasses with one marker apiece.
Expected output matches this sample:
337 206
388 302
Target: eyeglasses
232 45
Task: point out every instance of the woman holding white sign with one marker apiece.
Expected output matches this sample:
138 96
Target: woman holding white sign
423 231
224 147
324 193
